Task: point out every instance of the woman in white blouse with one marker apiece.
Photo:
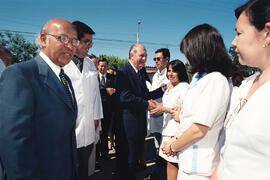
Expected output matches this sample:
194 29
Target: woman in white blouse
177 75
204 106
246 152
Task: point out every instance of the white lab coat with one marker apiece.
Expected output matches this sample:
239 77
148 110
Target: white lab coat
86 87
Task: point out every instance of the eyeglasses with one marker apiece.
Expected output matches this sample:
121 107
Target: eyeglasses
65 39
87 42
157 59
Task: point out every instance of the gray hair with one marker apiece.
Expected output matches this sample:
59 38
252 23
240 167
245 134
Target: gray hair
43 30
133 49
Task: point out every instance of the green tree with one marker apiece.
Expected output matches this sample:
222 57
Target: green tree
245 69
21 49
188 71
114 62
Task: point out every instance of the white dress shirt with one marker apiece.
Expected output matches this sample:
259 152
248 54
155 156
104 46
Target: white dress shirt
86 88
205 103
245 154
104 75
56 69
155 123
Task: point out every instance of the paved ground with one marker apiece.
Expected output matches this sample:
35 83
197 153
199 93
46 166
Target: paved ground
108 166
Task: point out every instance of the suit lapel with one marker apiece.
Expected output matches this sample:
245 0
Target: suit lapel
52 82
136 79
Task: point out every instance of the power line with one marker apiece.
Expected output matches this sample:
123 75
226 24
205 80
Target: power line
100 39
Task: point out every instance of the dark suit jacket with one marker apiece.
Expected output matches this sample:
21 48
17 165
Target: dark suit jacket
110 83
131 115
133 97
37 139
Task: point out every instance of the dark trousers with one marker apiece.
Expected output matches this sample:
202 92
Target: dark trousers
83 156
128 154
105 125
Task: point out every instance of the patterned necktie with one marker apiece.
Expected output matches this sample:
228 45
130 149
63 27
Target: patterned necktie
78 62
102 81
64 81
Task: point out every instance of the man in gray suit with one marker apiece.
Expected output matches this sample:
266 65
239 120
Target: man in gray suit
38 110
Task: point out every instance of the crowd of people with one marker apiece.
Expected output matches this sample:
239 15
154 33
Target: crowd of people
60 110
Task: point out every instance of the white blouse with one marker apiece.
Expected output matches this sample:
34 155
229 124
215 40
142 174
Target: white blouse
171 99
205 103
246 152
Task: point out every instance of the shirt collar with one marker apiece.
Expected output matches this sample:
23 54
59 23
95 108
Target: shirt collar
54 67
100 75
136 70
76 60
164 71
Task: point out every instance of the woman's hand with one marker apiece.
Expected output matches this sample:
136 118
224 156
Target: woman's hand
166 148
175 113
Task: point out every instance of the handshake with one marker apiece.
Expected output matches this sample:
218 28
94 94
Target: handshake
156 108
153 104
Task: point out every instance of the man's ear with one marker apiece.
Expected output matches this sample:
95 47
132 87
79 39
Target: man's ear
167 59
130 55
43 39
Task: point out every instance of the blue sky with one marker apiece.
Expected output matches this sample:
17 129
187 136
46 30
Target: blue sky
163 22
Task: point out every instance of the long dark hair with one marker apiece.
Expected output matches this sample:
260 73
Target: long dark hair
179 67
204 48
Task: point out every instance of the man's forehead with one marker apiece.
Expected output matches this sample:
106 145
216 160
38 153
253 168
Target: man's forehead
141 50
87 36
64 29
159 54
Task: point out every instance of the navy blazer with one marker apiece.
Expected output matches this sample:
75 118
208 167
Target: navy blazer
133 97
37 139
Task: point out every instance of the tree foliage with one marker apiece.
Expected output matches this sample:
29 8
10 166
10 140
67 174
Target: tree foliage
20 48
188 72
245 69
114 62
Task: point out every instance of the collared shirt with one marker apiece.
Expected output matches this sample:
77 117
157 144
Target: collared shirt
135 69
245 154
104 75
78 62
155 123
2 67
159 77
54 67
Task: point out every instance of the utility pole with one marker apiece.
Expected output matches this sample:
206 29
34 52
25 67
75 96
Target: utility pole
138 40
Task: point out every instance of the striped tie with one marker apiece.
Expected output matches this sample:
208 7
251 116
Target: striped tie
64 81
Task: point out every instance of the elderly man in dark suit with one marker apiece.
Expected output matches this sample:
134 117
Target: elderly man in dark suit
133 103
38 110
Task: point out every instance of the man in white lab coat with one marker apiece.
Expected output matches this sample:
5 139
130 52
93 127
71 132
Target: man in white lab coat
83 74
